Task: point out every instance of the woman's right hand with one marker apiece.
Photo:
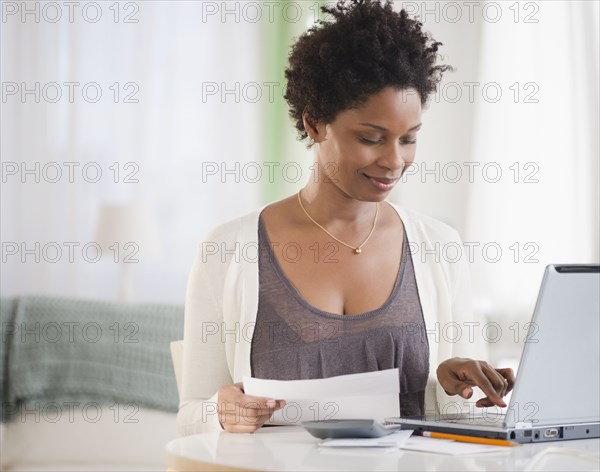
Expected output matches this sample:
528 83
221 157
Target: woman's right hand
241 413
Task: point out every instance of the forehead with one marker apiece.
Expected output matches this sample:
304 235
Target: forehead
387 107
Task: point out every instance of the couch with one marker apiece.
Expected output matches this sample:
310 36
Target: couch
87 385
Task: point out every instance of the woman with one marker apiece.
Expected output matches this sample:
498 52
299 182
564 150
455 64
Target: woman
333 288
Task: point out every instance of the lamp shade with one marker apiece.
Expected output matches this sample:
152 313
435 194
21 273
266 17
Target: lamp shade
124 224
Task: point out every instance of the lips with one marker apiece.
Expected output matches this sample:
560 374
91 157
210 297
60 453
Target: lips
382 183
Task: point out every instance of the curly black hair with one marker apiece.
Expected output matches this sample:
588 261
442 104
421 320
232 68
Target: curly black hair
337 65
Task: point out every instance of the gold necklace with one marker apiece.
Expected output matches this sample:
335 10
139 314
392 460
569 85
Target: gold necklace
357 250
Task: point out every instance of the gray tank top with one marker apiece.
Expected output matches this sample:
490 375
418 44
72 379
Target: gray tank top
294 340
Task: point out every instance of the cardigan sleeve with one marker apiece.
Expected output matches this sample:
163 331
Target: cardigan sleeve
461 338
205 367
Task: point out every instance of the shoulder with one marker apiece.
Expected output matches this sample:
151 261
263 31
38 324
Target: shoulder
425 227
437 245
228 247
235 229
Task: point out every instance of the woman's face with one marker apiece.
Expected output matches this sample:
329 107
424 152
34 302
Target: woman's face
365 151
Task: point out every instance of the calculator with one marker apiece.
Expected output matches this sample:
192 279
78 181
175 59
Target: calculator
338 429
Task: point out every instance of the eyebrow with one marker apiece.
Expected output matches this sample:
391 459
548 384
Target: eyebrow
384 129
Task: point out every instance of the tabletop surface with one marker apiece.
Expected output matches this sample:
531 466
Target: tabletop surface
292 448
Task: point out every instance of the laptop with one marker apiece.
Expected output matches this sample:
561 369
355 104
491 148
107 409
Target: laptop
557 391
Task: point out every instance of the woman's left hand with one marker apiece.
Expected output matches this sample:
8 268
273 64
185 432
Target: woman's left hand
458 375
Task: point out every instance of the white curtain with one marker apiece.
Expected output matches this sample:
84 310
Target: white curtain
508 153
164 124
544 208
175 130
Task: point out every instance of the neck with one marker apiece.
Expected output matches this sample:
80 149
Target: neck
330 206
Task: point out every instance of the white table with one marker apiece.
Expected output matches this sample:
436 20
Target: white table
292 448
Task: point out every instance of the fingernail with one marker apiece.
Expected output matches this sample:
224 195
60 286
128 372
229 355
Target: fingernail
282 403
271 403
467 392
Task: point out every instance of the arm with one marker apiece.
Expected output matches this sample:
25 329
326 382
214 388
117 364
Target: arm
209 399
465 368
205 366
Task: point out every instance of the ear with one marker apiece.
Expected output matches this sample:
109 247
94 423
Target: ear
315 131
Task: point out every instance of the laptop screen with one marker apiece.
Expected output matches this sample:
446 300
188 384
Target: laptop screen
558 379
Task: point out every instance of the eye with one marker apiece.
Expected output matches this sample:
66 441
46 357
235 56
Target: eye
368 141
403 141
409 140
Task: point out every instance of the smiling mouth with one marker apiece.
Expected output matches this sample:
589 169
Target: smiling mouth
382 183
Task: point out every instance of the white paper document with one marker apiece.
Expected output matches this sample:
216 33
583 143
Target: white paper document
369 395
395 440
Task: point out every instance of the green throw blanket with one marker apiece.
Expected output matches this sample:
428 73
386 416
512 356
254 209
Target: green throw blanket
71 350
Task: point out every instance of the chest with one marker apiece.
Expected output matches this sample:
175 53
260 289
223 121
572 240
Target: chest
332 278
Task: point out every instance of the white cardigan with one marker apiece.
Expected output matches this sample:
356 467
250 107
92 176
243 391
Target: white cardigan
222 302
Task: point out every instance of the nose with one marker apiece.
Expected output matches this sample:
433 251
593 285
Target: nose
394 158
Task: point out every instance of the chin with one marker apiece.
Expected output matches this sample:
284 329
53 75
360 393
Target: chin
370 196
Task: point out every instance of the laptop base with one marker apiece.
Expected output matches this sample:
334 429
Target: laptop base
524 435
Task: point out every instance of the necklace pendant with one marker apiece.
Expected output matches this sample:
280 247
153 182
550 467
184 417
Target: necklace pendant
358 250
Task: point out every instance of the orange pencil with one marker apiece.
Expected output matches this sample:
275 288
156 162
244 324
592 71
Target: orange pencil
468 439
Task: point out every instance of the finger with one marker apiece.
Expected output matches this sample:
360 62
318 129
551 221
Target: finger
509 376
249 412
280 405
246 417
240 417
264 418
232 398
477 375
498 382
230 393
250 401
240 428
484 402
462 387
263 407
454 382
256 416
